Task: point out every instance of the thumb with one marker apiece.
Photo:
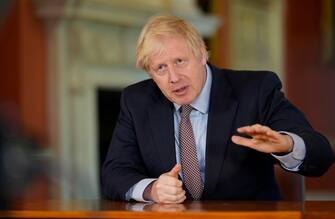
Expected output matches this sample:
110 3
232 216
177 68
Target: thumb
175 170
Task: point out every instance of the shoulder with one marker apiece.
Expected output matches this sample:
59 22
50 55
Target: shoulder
245 80
139 88
141 93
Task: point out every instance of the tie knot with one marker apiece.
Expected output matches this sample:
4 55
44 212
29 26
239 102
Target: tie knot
186 110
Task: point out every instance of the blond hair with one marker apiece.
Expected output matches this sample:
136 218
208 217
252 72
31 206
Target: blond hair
166 25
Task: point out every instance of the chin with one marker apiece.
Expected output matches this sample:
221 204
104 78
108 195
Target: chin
183 101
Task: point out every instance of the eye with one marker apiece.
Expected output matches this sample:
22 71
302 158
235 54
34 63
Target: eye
180 61
160 68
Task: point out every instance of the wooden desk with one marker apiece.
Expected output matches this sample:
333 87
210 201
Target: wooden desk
319 209
193 210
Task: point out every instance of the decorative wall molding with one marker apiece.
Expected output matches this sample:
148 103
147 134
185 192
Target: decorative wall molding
256 37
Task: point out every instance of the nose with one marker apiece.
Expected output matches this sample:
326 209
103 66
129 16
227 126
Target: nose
173 75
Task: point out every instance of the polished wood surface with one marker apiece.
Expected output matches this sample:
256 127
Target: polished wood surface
194 210
110 209
319 209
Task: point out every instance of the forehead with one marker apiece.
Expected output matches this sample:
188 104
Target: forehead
169 47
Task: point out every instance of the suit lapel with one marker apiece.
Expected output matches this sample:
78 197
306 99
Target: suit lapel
162 128
222 109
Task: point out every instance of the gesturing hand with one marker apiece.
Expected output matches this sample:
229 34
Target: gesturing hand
168 188
263 139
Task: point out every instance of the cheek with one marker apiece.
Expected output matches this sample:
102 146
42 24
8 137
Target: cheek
197 81
162 84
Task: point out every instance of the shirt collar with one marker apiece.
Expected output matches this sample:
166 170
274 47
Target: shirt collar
201 103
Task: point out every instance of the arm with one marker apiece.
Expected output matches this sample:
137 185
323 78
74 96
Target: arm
166 189
292 161
286 147
123 166
276 114
124 169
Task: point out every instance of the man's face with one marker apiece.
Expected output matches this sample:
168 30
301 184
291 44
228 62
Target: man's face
179 74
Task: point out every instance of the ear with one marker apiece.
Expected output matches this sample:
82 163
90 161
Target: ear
149 73
204 56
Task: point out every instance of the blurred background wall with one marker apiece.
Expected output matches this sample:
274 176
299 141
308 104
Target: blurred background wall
63 64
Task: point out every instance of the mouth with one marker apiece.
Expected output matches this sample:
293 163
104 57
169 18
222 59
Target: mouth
180 91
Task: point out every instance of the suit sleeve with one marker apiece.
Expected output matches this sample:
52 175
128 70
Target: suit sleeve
278 113
123 166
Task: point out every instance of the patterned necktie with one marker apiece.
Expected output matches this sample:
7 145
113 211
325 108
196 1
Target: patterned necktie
188 154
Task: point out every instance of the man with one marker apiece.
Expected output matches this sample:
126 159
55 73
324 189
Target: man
198 132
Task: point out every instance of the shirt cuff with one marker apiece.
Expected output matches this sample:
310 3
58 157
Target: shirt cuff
136 191
293 160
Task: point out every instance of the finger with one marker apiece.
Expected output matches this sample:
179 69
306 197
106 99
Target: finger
260 132
244 129
273 134
248 130
260 129
167 180
257 128
167 198
175 171
265 147
263 138
181 199
243 141
173 190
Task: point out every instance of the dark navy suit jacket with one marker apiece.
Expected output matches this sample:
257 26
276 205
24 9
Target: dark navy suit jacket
143 144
